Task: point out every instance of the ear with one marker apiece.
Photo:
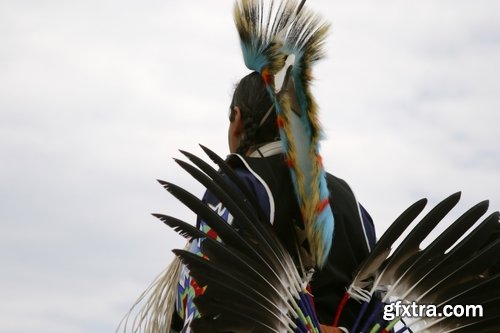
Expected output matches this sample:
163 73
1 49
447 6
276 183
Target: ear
236 130
237 123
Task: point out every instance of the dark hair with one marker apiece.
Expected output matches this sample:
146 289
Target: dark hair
255 103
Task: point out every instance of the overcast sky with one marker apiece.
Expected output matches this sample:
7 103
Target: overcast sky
97 96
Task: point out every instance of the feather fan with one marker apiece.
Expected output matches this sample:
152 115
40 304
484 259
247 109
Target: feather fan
252 283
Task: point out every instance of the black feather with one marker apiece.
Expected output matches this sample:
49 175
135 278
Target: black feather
184 229
410 245
233 288
420 262
369 268
229 235
439 269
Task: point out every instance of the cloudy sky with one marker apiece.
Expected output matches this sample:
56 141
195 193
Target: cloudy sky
97 96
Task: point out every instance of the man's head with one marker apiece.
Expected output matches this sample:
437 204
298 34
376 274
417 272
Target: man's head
252 116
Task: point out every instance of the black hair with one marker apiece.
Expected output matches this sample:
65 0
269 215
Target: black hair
255 104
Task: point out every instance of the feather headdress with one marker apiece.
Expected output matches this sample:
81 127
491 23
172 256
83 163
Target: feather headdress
282 42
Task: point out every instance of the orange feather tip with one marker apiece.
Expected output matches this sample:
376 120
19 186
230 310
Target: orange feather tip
279 121
323 204
320 160
267 77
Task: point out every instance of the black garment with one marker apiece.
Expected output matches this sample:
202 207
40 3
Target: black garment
348 251
350 243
